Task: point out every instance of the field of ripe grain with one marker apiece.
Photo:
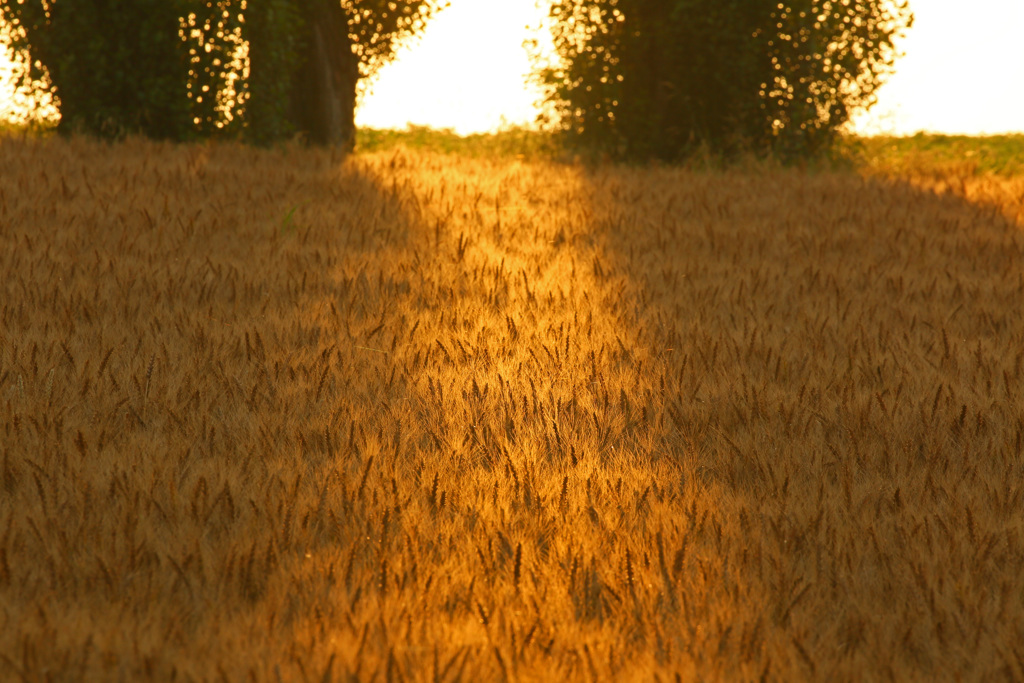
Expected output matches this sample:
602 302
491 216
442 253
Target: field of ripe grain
284 416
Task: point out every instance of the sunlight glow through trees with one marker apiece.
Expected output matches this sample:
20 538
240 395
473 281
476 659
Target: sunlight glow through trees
960 73
955 77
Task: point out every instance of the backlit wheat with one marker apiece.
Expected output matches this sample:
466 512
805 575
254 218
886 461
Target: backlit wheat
280 415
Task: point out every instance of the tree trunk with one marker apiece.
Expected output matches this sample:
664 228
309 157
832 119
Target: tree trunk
324 93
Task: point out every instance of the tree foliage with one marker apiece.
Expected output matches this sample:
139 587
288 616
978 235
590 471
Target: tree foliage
282 63
378 28
110 67
197 68
273 32
655 78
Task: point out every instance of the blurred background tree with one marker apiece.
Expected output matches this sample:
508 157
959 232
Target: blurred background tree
262 70
308 58
112 65
657 79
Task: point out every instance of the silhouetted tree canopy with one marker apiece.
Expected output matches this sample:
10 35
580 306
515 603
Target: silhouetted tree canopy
259 69
656 78
307 57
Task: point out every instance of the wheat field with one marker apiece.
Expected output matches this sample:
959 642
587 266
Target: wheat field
289 416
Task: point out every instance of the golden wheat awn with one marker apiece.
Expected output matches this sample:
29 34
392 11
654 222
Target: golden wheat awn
279 415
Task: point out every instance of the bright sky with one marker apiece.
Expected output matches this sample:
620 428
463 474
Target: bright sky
963 71
466 72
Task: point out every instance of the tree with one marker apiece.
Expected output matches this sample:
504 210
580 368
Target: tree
656 78
109 70
179 69
316 52
155 67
